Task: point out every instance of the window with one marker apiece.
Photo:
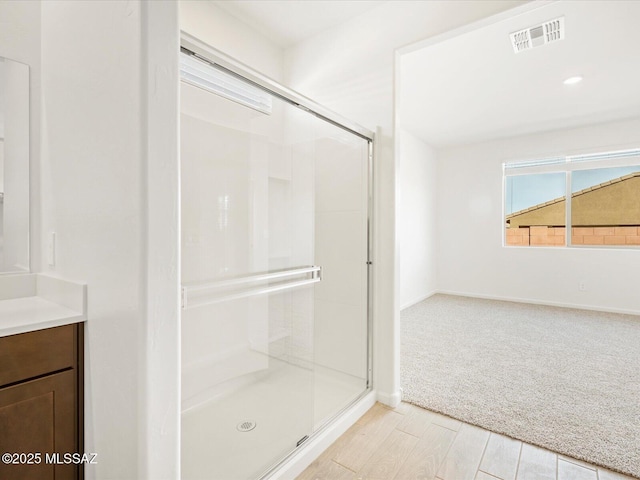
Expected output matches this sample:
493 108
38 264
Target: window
604 206
534 207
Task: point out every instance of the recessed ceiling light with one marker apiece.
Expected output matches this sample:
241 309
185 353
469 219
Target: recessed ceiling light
572 80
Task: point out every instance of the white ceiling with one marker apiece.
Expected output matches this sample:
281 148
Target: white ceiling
473 87
288 22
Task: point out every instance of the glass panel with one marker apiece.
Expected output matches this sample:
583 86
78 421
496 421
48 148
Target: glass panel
263 386
605 206
535 209
247 194
341 249
264 195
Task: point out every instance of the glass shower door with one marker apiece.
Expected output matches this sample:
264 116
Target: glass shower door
274 272
248 297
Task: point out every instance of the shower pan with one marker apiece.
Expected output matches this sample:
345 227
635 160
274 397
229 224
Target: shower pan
276 208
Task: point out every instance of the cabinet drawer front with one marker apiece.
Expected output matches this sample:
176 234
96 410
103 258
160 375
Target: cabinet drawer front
29 355
40 416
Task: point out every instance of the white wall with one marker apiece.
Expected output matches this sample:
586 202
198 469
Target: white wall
110 192
160 399
230 35
416 217
471 259
92 199
350 69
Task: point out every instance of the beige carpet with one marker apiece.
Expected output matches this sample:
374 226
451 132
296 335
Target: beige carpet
564 379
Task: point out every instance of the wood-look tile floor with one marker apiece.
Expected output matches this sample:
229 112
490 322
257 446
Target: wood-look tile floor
409 442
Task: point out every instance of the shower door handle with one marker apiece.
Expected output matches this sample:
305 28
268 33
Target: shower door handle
195 295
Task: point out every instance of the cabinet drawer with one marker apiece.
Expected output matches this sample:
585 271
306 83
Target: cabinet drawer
31 354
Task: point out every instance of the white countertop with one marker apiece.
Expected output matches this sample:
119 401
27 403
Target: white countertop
39 302
26 314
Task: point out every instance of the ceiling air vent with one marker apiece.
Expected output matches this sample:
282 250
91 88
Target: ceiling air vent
532 37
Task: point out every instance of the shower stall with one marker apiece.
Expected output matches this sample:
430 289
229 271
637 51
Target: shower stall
276 220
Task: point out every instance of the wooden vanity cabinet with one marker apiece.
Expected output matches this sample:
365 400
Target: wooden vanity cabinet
41 403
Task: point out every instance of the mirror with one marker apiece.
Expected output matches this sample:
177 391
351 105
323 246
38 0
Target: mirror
14 166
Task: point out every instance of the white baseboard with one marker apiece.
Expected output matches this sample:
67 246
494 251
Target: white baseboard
539 302
318 444
419 299
390 399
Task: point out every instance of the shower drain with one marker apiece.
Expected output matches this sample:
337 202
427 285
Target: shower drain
246 426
